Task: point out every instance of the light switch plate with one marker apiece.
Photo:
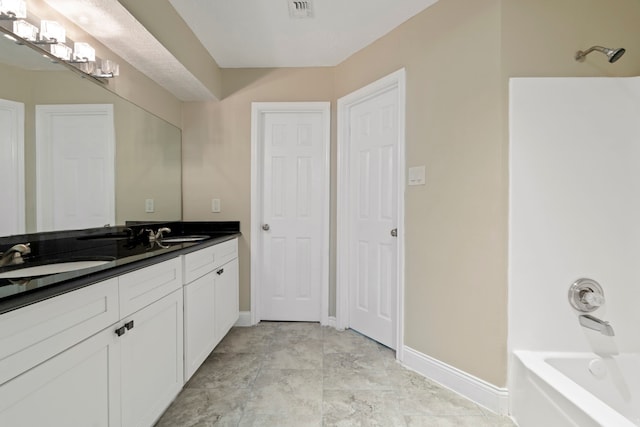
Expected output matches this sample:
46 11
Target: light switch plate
417 175
149 206
215 205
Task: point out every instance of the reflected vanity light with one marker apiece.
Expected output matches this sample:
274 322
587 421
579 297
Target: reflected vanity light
61 50
52 32
108 69
83 52
25 30
13 9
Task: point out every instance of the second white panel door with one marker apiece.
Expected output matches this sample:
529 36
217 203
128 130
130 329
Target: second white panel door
374 198
293 177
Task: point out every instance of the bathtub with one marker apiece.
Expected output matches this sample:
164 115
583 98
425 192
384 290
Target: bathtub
575 389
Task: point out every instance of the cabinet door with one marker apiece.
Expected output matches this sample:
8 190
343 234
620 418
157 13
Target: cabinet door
152 360
199 322
226 298
76 388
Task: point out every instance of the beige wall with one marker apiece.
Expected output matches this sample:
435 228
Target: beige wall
455 305
541 37
217 146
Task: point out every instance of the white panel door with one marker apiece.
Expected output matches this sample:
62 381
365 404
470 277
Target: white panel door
75 166
293 195
12 167
372 243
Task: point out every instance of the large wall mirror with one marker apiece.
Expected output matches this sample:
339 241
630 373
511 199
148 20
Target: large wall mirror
147 148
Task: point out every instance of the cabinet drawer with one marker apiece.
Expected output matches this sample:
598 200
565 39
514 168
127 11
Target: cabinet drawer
197 264
33 334
142 287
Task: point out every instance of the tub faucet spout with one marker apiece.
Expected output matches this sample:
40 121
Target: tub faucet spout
596 324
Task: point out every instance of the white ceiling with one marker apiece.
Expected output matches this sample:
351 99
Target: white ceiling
260 33
242 33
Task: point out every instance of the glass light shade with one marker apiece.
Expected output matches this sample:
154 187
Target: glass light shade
51 30
62 51
87 67
83 52
14 8
107 66
25 30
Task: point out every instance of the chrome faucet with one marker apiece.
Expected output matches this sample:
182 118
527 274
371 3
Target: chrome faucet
162 230
13 255
591 322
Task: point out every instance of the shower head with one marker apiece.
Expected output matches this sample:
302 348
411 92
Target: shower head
612 54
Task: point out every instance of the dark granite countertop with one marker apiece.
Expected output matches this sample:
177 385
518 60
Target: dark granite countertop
124 247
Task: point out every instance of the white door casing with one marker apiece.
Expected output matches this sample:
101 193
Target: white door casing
290 211
12 191
75 166
370 261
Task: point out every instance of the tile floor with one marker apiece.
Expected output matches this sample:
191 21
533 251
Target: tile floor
302 374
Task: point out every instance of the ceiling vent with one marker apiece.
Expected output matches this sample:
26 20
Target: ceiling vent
300 9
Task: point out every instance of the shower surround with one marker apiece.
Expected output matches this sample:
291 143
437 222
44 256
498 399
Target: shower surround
574 213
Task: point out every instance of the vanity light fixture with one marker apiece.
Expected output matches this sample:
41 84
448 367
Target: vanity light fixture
81 59
25 30
51 32
13 9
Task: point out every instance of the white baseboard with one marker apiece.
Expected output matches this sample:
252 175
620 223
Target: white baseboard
244 319
494 398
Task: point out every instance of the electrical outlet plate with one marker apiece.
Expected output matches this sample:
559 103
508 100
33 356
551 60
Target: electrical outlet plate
149 206
417 175
215 205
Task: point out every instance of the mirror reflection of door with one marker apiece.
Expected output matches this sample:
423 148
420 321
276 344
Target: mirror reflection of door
12 218
75 166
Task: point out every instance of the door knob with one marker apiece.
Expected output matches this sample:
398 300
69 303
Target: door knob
265 227
394 232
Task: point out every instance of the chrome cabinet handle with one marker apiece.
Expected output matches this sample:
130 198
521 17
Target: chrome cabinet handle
265 227
394 232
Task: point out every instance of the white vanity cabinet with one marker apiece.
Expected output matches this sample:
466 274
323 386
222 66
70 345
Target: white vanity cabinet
56 367
110 354
210 300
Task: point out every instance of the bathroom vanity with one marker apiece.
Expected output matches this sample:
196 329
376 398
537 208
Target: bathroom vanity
112 345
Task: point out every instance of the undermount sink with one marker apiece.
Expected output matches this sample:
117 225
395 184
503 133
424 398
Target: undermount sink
47 269
184 239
